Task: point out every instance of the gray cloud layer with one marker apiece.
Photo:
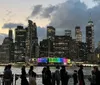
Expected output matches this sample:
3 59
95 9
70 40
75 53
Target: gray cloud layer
47 12
11 25
67 15
71 13
96 0
37 9
44 12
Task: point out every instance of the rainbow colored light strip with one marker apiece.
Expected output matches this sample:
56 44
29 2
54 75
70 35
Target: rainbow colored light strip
53 60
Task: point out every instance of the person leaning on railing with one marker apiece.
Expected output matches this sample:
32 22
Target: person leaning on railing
8 77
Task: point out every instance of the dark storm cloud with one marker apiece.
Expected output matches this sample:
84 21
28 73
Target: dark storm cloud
96 18
70 14
47 12
2 36
96 0
37 9
11 25
73 13
44 12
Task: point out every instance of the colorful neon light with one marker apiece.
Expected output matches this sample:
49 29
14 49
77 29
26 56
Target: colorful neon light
53 60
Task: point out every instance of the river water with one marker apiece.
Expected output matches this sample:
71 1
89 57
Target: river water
38 70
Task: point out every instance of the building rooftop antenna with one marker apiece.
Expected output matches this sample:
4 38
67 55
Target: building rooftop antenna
90 18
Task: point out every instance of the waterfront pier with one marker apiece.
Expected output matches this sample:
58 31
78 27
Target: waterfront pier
16 79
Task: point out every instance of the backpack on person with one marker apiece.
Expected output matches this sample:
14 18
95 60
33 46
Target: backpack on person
57 75
7 74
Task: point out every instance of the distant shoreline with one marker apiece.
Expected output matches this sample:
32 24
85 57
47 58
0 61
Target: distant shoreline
31 64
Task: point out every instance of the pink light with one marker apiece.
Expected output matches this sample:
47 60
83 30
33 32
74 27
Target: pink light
67 60
39 59
64 60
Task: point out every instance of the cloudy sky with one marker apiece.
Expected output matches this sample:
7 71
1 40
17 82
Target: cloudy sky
62 14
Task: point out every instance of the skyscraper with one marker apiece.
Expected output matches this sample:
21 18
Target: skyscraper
90 36
20 42
11 50
78 34
61 46
44 48
7 49
50 37
68 33
97 52
99 44
90 39
50 32
32 40
10 34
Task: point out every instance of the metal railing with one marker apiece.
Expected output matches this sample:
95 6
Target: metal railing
17 76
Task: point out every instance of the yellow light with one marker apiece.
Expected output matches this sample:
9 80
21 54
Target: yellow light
69 61
98 56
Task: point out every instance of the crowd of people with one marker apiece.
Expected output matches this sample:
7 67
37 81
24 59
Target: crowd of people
59 77
8 76
55 78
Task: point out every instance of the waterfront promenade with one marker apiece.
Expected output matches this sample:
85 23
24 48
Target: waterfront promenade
39 79
38 70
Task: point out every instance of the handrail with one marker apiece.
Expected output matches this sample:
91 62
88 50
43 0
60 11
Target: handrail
17 76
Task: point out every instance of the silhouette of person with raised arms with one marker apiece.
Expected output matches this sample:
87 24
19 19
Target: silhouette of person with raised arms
81 76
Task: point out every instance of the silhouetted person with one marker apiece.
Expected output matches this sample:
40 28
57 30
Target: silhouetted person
44 76
32 76
75 77
23 77
97 73
53 78
8 77
92 79
48 75
81 76
4 72
64 76
57 75
5 68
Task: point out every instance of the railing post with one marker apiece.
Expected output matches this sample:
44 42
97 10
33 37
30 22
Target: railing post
15 79
2 79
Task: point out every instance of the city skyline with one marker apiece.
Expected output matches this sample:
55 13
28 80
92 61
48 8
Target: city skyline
9 13
26 44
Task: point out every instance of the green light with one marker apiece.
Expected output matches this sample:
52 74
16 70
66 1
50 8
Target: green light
54 60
